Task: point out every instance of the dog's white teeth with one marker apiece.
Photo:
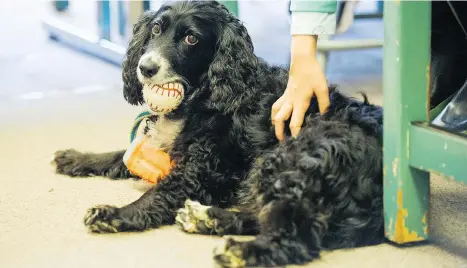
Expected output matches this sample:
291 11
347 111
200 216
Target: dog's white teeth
169 86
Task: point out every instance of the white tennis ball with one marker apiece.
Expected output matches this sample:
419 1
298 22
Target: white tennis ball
162 99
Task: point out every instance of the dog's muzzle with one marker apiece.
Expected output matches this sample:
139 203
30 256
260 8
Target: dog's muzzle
162 99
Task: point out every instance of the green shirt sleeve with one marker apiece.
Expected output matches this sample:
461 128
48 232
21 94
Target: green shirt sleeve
321 6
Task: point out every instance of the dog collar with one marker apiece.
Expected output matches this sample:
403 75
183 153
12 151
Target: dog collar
137 122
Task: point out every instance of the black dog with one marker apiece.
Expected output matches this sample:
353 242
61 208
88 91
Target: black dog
321 190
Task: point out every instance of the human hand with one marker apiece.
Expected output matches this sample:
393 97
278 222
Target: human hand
306 79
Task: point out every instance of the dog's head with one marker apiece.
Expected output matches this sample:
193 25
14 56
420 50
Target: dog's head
185 49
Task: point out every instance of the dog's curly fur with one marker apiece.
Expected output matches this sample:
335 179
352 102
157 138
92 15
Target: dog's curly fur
321 190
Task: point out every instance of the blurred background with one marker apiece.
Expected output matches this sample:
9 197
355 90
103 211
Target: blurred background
36 69
61 88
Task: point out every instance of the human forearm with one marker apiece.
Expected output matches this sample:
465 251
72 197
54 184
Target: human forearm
303 46
306 78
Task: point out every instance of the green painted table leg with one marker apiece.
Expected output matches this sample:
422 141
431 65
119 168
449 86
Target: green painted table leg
405 82
231 5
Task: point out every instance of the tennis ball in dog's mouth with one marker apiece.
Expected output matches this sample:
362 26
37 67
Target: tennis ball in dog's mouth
163 98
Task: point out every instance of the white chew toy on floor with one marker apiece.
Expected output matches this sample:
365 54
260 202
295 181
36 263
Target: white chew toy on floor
162 99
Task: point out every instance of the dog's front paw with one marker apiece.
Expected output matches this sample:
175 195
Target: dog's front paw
103 219
194 218
263 251
70 162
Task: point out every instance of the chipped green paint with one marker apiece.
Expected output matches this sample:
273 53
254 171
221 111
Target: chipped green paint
395 162
424 222
402 233
405 83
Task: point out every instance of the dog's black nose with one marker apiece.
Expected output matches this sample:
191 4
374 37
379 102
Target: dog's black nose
148 68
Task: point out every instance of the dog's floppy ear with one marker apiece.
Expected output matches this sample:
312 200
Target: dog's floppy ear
132 89
231 73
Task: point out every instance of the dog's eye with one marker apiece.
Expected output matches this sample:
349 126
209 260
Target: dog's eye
156 30
191 40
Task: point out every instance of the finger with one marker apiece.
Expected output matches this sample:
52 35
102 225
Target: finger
276 107
283 115
323 99
298 116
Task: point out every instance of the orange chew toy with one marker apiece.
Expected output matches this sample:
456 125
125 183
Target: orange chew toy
147 161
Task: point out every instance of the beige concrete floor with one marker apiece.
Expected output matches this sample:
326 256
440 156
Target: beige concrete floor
52 98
